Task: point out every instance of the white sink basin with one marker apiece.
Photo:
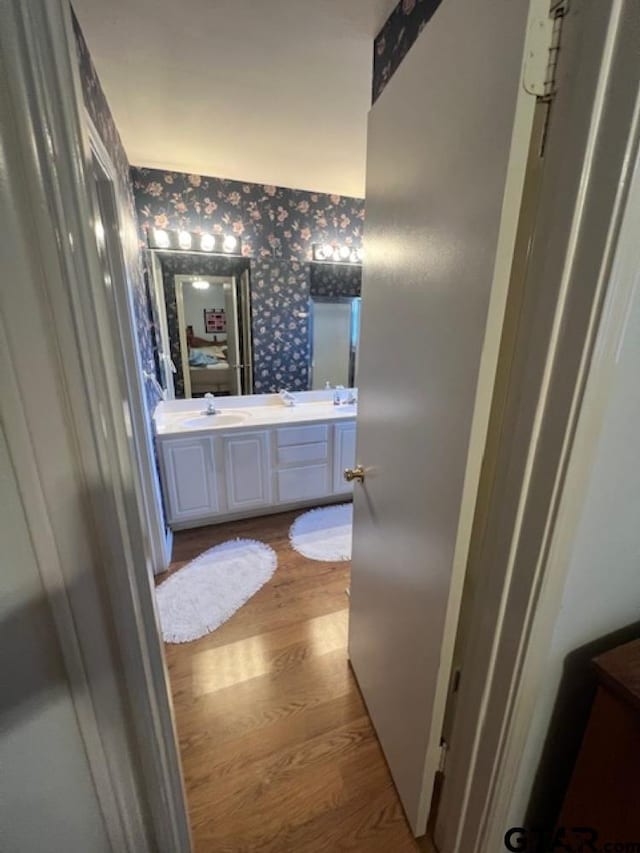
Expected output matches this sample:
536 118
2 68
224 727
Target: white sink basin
222 419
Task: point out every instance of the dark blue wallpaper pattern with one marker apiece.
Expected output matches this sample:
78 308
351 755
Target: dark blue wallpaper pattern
278 227
402 28
330 280
98 109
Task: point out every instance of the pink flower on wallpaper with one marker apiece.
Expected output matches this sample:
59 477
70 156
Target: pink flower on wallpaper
217 228
335 199
168 178
161 220
408 6
234 198
270 190
246 189
287 235
195 180
210 207
246 250
345 222
154 189
305 233
282 214
255 215
381 45
180 207
303 206
321 222
238 227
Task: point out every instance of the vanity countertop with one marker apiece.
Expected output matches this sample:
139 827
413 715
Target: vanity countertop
187 417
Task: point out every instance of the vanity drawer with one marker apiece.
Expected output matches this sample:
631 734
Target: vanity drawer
298 454
302 435
300 484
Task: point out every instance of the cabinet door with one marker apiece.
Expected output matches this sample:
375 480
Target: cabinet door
344 456
190 478
246 461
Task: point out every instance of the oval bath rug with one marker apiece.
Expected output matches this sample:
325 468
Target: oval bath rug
206 592
324 534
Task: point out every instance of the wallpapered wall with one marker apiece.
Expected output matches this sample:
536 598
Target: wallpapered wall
96 105
335 280
278 227
402 28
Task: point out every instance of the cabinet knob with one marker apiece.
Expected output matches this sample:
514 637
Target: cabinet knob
356 473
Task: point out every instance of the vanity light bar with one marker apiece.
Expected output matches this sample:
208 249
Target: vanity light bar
189 241
330 253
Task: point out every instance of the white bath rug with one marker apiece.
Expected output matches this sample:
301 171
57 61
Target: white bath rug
324 534
206 592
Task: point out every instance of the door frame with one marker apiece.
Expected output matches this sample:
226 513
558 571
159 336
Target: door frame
160 536
575 315
70 437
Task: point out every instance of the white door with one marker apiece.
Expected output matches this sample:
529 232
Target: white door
439 144
248 476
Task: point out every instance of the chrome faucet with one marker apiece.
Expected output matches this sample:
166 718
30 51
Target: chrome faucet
287 397
211 407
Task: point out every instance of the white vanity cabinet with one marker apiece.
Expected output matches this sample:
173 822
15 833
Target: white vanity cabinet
247 470
239 472
190 479
344 455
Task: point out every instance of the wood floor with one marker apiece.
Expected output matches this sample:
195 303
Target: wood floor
277 749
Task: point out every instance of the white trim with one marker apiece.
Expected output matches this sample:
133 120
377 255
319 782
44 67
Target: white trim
618 279
74 443
568 275
151 495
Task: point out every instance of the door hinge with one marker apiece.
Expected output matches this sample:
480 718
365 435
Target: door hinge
542 48
444 747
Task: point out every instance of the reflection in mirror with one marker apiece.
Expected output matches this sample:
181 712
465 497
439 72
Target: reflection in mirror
208 321
334 317
335 332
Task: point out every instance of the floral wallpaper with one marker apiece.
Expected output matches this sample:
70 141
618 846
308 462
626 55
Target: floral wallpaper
172 264
98 109
335 280
278 227
394 40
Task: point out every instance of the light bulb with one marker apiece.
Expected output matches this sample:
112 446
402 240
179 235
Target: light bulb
327 251
336 254
229 243
200 284
161 238
184 240
207 242
345 251
318 253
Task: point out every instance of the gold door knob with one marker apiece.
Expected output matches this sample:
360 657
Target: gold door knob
356 473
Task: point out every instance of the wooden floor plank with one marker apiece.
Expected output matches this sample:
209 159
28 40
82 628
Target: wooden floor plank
278 753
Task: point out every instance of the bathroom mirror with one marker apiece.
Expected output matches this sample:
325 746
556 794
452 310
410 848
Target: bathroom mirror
334 323
207 306
335 333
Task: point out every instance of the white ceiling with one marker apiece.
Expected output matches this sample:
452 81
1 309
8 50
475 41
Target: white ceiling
271 91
